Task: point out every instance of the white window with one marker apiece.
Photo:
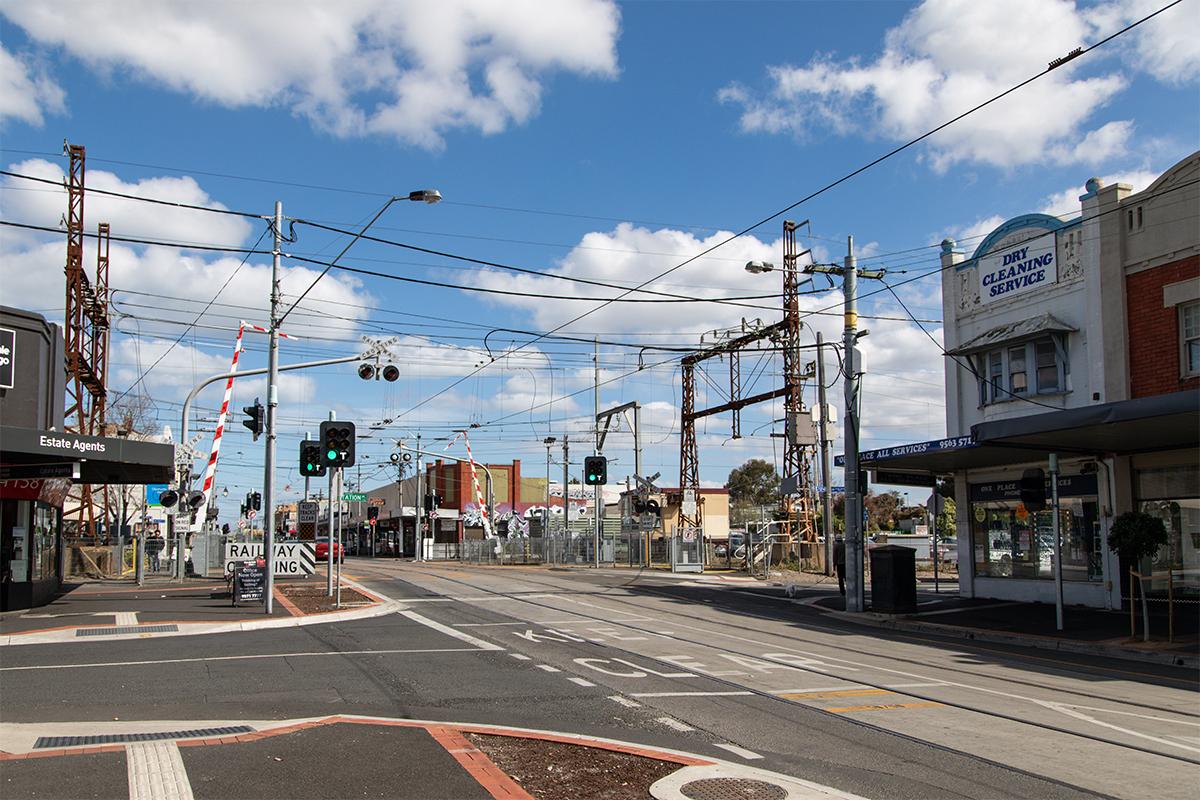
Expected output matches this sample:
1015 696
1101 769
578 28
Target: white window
1189 339
1031 368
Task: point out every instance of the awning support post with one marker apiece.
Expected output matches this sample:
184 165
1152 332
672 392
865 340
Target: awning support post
1057 529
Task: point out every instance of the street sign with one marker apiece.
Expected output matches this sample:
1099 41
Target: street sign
291 558
648 522
354 497
306 513
376 501
251 514
154 492
689 502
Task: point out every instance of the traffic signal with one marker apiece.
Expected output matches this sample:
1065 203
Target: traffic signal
256 501
372 512
433 502
311 463
1033 489
256 418
195 500
337 444
595 470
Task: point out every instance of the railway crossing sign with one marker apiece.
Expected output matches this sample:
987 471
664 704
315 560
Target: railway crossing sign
291 558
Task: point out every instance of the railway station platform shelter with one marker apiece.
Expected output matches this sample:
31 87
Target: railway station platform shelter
40 462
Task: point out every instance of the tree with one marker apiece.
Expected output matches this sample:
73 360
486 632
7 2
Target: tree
754 483
882 510
947 520
1136 535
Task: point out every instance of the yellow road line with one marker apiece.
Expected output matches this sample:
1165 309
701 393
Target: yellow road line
839 693
884 707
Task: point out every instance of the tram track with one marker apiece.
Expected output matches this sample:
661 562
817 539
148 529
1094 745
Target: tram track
438 573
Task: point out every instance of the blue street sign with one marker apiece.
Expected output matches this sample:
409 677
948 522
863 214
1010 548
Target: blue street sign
154 492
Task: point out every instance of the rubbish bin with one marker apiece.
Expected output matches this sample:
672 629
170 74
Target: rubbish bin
894 579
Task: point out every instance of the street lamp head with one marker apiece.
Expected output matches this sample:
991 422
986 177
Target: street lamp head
756 267
549 440
429 196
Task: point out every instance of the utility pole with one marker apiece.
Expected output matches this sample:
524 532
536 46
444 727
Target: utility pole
566 485
549 442
598 507
852 369
419 538
826 477
333 496
272 404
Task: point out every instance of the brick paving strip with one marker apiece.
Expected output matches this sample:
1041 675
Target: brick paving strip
497 783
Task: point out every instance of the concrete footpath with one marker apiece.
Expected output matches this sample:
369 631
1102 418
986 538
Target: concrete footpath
108 610
361 756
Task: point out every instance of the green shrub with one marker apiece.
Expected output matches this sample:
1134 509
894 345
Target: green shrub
1136 535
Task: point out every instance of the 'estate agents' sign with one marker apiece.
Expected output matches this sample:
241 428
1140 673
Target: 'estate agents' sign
1026 267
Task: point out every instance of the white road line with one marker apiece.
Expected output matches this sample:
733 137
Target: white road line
688 694
962 608
243 658
427 599
581 681
446 629
500 624
843 687
625 701
127 618
674 723
520 657
749 755
547 668
156 772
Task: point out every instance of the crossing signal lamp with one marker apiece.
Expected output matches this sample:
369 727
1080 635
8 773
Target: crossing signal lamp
168 498
337 444
195 500
311 463
256 418
595 470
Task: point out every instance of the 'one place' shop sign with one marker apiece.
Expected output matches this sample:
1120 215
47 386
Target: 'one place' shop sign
1028 266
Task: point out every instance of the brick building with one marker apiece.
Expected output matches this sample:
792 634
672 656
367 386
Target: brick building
1077 337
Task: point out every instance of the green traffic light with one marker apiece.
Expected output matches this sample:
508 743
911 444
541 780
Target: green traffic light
331 455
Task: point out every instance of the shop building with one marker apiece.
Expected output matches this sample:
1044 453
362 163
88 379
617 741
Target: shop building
1079 338
39 461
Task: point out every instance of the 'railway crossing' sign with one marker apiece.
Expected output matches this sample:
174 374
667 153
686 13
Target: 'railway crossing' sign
291 558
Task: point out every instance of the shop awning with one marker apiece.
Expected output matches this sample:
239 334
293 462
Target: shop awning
920 460
29 453
1146 424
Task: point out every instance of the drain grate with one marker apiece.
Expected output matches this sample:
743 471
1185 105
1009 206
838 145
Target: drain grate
732 789
123 738
126 629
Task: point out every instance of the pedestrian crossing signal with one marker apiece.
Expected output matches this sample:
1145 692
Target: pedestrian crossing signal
595 470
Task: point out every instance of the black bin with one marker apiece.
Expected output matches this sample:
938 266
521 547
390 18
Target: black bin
894 579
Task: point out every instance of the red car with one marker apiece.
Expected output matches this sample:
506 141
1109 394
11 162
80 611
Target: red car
322 550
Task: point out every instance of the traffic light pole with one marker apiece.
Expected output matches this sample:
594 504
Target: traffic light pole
334 497
272 405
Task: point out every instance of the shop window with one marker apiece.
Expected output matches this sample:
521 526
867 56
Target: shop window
1005 372
45 542
1189 339
1011 542
1173 495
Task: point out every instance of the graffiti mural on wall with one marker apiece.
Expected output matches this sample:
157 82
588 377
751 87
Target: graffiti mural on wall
508 523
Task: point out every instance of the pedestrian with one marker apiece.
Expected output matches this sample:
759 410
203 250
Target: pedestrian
839 563
154 548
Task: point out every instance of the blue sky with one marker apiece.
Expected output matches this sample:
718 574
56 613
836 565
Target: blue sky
586 139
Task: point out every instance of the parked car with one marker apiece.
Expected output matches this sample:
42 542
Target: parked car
322 549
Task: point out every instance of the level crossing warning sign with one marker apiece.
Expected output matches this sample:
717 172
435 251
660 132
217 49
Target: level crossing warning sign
290 558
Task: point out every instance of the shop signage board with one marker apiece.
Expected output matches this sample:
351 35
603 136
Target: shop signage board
249 584
869 457
895 478
30 471
291 558
306 517
8 354
154 494
1026 267
1068 486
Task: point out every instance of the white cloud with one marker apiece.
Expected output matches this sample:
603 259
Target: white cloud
1066 202
414 70
26 93
949 55
1167 46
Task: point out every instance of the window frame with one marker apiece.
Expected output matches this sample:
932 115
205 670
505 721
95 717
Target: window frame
1184 339
991 393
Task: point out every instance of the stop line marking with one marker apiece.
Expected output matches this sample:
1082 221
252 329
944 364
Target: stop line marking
749 755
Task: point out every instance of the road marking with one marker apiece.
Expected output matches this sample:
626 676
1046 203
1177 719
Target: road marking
749 755
446 629
156 772
803 691
625 701
126 618
689 694
812 695
581 681
503 624
674 723
242 658
883 707
520 657
547 668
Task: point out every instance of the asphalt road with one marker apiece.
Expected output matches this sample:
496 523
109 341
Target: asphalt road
709 670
